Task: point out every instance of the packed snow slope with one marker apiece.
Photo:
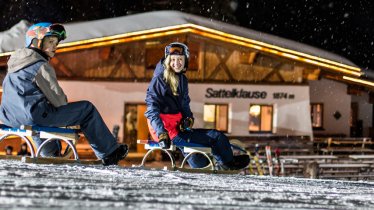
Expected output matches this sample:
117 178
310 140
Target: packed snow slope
97 187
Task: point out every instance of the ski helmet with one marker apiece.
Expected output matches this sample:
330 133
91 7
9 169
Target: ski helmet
40 30
177 48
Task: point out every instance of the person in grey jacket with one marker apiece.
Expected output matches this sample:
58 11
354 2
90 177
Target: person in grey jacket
32 96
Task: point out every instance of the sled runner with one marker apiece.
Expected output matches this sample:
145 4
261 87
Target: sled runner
190 149
67 135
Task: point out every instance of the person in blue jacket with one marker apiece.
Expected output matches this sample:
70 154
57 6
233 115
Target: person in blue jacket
32 96
169 115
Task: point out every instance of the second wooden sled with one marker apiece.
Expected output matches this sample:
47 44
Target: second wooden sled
188 148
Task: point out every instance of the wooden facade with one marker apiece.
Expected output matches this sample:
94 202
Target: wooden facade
211 61
121 49
218 55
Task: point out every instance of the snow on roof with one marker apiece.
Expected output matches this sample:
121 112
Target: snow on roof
14 38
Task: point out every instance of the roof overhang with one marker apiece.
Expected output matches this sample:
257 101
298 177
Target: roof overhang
185 23
212 34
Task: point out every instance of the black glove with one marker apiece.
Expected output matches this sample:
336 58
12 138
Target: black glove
186 124
164 140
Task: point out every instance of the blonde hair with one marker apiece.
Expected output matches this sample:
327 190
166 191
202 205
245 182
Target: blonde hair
170 76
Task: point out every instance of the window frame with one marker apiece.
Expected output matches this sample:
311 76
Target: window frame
271 123
215 112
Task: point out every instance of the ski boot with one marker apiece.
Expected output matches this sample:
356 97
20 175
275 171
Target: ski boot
119 154
239 162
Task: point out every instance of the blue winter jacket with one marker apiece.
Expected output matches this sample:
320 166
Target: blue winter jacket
29 88
160 99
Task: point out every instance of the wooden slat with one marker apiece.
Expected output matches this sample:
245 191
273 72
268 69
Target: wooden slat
192 170
359 157
10 157
347 149
348 165
51 160
309 157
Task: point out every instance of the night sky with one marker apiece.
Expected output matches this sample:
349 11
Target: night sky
343 27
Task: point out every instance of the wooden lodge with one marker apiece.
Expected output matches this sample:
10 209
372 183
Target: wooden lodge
253 86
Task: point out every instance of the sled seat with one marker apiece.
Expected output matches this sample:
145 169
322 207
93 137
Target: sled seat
188 148
68 135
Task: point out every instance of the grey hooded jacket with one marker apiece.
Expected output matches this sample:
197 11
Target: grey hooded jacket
30 84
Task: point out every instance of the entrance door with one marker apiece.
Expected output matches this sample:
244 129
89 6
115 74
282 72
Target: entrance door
135 124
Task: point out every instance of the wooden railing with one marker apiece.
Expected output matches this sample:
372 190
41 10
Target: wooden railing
344 146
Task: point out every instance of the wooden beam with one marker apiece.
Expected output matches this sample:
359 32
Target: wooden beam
312 74
274 71
104 53
222 65
61 67
247 58
4 61
121 61
354 90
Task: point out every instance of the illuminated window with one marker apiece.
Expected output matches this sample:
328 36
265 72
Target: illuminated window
216 116
316 113
260 118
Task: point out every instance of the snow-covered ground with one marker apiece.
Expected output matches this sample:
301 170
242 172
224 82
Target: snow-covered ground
97 187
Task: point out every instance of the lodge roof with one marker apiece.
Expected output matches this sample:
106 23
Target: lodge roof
151 25
14 38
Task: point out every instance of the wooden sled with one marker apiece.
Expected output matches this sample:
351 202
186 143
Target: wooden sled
188 148
68 135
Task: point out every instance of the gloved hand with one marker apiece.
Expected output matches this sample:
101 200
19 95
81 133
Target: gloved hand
186 124
164 140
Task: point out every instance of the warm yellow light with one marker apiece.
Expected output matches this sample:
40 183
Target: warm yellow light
105 42
255 110
5 54
295 57
210 33
357 74
209 113
290 56
365 82
207 32
273 46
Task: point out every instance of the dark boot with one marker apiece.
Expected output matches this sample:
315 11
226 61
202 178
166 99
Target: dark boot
119 154
239 162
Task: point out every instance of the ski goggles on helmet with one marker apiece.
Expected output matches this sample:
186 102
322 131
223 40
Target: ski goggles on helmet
57 30
177 48
176 51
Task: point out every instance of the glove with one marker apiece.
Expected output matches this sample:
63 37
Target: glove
186 124
164 140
